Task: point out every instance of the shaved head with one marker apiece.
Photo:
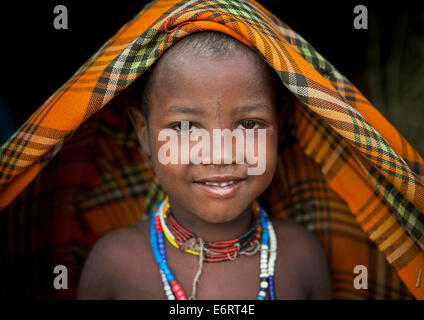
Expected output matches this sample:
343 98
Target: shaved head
206 44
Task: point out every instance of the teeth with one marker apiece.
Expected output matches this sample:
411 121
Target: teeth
220 184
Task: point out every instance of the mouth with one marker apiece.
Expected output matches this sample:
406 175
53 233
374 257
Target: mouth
221 187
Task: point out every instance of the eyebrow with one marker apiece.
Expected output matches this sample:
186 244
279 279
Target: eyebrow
255 107
180 109
243 109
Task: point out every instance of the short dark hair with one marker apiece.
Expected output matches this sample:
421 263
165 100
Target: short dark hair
209 43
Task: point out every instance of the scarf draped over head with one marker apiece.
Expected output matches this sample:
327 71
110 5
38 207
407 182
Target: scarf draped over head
73 171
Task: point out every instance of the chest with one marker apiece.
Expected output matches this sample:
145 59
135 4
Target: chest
229 280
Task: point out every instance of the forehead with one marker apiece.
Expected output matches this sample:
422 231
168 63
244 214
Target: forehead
190 75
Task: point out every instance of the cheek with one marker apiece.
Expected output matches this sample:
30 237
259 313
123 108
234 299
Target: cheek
167 173
267 156
271 153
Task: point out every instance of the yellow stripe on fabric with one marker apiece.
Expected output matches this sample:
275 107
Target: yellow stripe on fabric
383 227
313 142
322 151
38 139
33 153
377 213
371 209
391 239
330 161
400 250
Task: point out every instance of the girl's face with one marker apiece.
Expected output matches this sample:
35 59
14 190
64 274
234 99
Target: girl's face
237 92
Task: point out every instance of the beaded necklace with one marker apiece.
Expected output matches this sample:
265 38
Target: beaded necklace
216 251
268 247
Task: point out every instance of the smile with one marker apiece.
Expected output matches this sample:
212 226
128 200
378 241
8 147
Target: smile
220 189
217 184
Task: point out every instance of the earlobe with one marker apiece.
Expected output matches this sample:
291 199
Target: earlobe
144 140
141 128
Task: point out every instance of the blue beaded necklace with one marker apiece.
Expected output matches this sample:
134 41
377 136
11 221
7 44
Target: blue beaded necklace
173 289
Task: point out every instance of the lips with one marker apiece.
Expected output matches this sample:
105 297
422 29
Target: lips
220 186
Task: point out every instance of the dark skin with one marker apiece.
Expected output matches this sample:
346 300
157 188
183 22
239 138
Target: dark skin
121 264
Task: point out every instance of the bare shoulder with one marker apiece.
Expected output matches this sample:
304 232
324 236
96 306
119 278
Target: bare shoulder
109 260
307 254
295 234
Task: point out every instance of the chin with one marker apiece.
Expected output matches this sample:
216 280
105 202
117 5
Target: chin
217 218
216 212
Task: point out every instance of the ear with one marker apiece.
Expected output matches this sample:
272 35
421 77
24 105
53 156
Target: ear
141 128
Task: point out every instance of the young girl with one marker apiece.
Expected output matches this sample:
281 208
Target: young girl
210 238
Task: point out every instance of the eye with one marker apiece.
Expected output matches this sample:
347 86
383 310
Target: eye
177 126
250 124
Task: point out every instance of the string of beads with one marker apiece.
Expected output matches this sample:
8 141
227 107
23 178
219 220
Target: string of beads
216 251
261 230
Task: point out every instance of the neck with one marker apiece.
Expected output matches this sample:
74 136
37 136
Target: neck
210 231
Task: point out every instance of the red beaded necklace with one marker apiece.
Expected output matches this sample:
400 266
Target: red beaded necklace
216 251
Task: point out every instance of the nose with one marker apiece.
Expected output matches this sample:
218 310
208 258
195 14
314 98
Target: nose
226 147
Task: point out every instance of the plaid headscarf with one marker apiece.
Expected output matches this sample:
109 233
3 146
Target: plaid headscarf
343 171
